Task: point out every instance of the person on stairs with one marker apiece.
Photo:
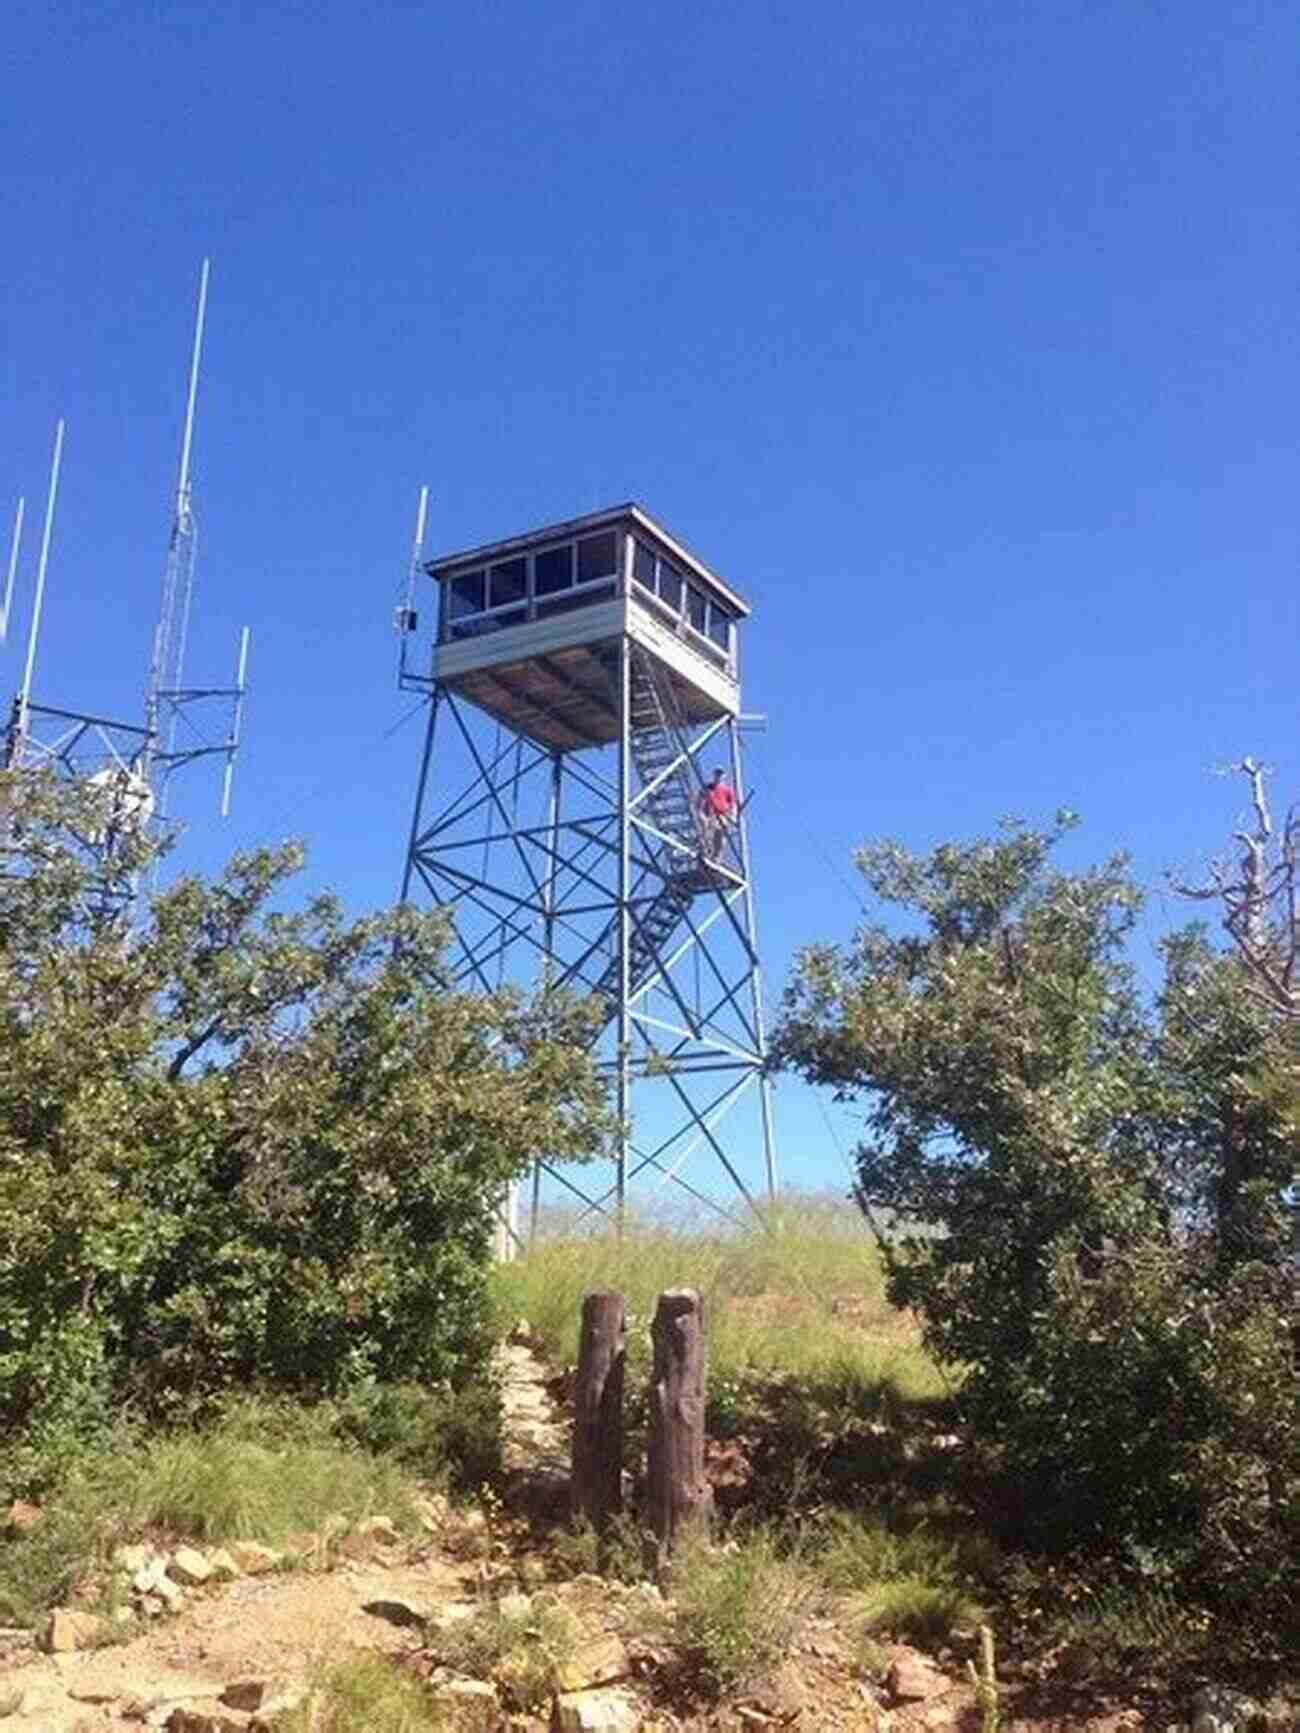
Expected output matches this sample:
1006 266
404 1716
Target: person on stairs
716 809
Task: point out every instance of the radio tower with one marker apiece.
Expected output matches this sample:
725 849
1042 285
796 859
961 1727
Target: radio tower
135 760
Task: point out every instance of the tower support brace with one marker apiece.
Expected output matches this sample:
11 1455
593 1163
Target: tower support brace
560 870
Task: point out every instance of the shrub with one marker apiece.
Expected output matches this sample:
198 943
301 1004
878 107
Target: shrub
441 1434
1099 1192
248 1148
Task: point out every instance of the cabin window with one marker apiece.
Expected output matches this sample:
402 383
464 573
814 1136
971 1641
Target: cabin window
697 608
576 574
466 595
508 583
597 557
643 566
720 626
553 570
670 587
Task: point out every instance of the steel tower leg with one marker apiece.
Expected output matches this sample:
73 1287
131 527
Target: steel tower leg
624 1085
420 788
548 960
755 974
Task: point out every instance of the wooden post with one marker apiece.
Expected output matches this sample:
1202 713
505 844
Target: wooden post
681 1499
596 1488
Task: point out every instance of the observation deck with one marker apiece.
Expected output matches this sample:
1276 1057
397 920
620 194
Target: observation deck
529 628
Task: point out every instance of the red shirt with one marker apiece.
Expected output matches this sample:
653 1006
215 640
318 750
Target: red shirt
719 800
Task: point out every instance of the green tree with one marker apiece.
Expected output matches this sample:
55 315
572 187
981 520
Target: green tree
1083 1195
243 1145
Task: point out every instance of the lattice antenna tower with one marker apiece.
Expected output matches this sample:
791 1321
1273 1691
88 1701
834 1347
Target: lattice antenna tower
133 760
584 687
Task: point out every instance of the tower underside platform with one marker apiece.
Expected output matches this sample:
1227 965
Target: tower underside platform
555 681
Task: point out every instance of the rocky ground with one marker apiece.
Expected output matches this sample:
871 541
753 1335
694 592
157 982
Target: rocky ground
228 1639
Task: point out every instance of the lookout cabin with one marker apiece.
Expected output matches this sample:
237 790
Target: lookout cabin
529 628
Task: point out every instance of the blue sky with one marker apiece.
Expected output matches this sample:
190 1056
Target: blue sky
961 339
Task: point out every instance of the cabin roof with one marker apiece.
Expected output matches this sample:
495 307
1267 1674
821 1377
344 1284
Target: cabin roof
446 565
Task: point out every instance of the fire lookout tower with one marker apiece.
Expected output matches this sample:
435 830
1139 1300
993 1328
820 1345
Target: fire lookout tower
585 692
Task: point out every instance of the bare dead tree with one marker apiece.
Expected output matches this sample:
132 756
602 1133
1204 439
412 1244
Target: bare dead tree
1259 893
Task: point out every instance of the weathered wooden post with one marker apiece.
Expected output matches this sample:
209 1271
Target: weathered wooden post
681 1499
596 1488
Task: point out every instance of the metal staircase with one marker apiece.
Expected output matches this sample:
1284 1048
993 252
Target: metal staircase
678 873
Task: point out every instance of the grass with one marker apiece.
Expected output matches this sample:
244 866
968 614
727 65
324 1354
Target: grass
230 1484
799 1291
517 1651
914 1610
363 1695
263 1472
738 1610
831 1398
856 1553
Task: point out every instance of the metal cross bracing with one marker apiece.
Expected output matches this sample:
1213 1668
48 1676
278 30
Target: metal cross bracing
590 870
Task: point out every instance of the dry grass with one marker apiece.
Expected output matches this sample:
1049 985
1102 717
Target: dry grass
739 1610
799 1292
364 1694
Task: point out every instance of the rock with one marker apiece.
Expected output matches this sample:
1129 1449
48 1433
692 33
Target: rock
943 1718
143 1579
202 1721
596 1663
131 1559
303 1545
66 1630
381 1528
541 1493
1217 1709
248 1694
594 1712
21 1517
402 1613
456 1693
254 1558
280 1702
45 1712
152 1581
159 1699
433 1514
222 1564
911 1678
451 1613
188 1565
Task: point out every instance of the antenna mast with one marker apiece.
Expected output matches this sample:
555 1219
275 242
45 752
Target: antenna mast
13 568
405 617
133 758
167 665
19 722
